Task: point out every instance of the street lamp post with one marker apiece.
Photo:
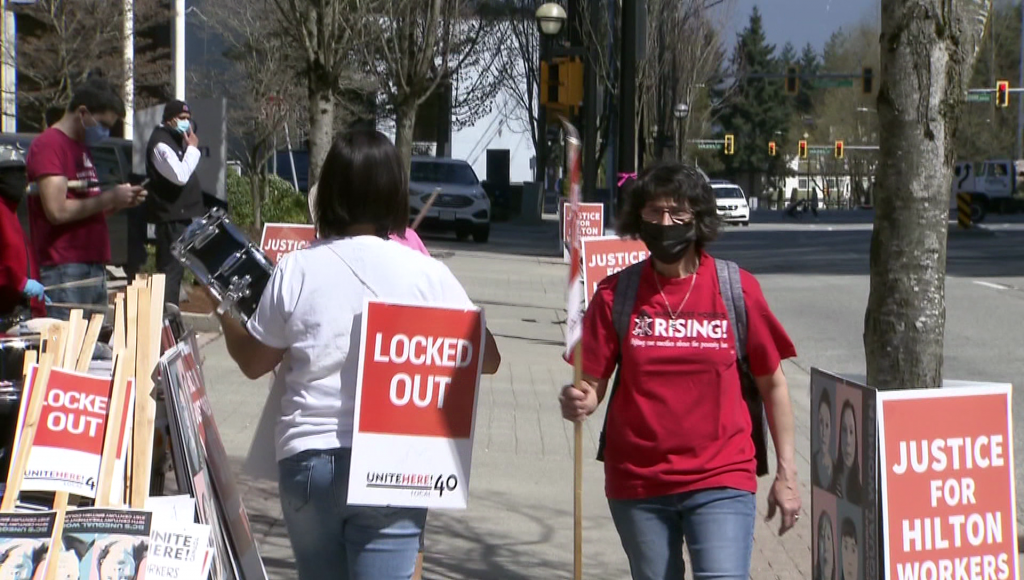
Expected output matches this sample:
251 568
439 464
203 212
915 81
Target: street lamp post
551 19
681 111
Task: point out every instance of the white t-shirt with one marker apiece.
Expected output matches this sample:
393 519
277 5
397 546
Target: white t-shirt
312 307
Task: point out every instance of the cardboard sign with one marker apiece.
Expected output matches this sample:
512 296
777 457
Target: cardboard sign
590 222
24 543
607 255
279 239
65 453
947 482
844 481
419 371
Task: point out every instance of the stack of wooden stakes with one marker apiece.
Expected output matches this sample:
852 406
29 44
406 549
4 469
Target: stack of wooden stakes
138 320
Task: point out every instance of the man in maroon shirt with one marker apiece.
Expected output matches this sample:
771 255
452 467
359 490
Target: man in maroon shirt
69 226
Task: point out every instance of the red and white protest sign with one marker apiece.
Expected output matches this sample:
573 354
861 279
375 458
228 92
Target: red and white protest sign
947 483
279 239
590 221
419 371
605 256
65 453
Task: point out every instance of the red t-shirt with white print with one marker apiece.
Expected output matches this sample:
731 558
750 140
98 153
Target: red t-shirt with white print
678 421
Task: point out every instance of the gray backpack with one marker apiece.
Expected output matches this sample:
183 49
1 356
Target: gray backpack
731 290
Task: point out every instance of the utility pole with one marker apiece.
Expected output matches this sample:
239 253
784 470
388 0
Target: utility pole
129 69
578 21
179 49
1020 101
631 17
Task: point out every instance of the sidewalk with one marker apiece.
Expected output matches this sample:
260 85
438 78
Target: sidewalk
519 525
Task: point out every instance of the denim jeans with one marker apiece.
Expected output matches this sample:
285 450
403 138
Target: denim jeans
336 541
716 524
93 294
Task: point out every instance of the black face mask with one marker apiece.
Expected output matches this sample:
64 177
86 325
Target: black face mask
668 243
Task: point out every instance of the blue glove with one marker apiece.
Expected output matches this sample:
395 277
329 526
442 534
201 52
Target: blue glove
34 289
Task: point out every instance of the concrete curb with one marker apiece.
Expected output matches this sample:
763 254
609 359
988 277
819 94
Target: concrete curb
201 322
975 231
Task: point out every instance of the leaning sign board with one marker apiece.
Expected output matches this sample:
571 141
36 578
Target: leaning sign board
948 482
589 221
419 373
65 452
607 255
279 239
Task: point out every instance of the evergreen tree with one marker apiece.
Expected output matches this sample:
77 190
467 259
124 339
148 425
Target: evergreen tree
809 66
758 110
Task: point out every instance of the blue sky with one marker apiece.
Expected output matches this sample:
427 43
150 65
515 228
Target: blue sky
800 21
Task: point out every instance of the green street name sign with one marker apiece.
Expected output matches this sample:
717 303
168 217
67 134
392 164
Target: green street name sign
979 97
827 83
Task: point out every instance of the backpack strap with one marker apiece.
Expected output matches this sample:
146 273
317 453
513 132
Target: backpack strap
730 286
623 301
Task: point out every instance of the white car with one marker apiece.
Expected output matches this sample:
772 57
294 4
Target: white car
462 206
732 203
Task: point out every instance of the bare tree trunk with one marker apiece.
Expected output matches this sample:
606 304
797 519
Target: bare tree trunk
405 120
257 200
928 53
321 128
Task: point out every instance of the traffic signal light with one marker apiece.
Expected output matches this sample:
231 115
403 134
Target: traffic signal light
792 80
839 149
561 83
771 148
730 144
867 80
803 149
1003 94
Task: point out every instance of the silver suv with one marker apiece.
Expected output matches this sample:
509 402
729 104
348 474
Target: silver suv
462 206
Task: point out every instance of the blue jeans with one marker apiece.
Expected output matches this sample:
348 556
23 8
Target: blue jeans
93 294
716 524
335 541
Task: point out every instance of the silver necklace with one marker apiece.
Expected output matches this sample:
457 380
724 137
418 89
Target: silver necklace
693 280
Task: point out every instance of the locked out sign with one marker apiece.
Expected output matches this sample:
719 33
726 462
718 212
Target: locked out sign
419 371
65 453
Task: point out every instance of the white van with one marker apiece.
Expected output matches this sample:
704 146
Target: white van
732 203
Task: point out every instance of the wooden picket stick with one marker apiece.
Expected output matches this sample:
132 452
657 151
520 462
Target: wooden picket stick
15 476
60 505
89 343
30 359
117 341
150 325
115 416
131 354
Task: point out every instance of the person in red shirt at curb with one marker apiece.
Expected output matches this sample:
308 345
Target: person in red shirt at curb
679 456
19 277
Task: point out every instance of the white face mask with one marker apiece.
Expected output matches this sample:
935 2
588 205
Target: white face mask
183 125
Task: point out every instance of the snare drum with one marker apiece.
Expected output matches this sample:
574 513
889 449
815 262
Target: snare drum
224 260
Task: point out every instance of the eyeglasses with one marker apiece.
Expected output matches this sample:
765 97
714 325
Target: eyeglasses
679 216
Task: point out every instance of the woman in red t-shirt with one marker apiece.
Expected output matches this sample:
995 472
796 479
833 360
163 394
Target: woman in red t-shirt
679 457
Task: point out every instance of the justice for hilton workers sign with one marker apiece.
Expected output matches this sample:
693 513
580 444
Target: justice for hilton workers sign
65 453
590 222
419 371
947 483
605 256
279 239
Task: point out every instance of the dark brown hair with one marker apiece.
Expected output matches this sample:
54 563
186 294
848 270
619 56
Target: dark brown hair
363 181
679 182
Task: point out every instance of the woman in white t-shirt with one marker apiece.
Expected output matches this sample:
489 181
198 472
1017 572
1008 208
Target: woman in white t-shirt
308 322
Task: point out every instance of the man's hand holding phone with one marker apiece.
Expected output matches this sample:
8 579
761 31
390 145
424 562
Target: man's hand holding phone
126 195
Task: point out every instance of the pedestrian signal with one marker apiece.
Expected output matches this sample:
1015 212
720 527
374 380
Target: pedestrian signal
561 83
803 149
1003 94
730 144
792 80
839 149
771 148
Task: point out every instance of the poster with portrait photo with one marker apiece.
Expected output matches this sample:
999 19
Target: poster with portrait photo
97 544
824 536
823 432
849 541
854 482
24 543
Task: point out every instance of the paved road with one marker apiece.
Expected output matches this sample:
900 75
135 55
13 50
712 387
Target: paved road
519 525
